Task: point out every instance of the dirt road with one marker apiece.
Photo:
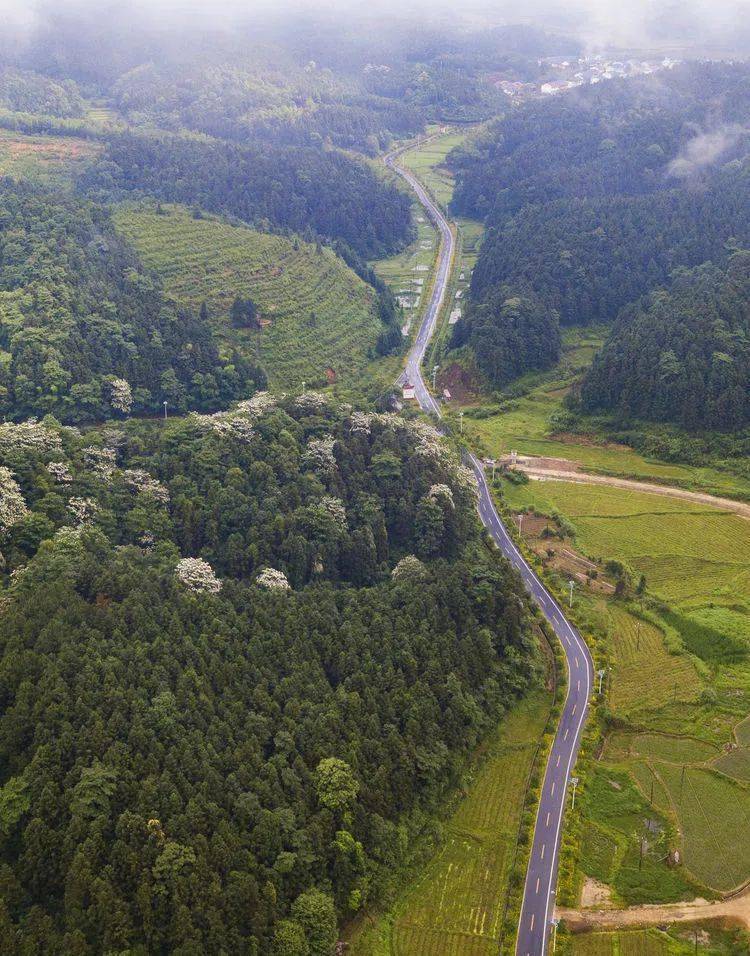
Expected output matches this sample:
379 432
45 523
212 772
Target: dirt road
736 910
541 469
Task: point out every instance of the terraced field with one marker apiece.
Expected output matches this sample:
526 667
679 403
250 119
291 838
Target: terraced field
455 906
319 314
682 671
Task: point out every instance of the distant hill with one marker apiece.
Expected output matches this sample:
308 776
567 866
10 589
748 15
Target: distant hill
321 314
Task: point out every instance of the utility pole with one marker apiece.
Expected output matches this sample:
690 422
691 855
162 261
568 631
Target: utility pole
520 524
165 410
640 858
682 782
435 370
461 421
637 634
574 781
555 923
571 585
303 386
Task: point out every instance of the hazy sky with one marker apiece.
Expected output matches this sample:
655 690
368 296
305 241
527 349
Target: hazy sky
620 22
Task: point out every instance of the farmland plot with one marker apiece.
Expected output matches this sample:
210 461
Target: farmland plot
714 814
644 673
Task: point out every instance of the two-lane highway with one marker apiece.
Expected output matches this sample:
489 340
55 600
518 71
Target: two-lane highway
541 876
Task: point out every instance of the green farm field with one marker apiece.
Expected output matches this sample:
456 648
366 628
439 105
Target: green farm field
455 904
679 684
428 162
647 942
527 425
321 314
692 555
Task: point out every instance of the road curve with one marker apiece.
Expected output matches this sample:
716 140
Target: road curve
541 876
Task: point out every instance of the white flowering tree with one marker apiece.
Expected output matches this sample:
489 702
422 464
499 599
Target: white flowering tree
141 481
256 406
82 509
197 575
334 508
226 425
442 493
319 454
120 396
101 460
60 472
311 400
360 423
31 435
273 580
12 505
409 568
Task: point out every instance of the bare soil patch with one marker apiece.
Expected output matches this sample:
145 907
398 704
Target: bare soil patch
732 911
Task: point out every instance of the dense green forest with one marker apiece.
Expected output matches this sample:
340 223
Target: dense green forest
27 92
589 258
85 332
510 331
616 138
593 200
296 188
682 355
242 655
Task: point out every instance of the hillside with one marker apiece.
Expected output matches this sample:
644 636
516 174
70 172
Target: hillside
85 332
321 314
232 685
681 355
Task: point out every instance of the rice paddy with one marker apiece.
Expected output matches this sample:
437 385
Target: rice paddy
679 684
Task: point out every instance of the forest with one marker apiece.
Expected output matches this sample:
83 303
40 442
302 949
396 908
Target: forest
297 188
595 199
243 655
682 355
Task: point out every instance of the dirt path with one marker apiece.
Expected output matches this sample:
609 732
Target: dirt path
736 909
539 469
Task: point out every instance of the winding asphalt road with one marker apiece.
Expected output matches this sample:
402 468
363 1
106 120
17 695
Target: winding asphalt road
534 929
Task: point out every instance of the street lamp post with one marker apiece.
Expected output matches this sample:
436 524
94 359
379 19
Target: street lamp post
600 673
574 781
571 585
165 410
461 421
435 370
